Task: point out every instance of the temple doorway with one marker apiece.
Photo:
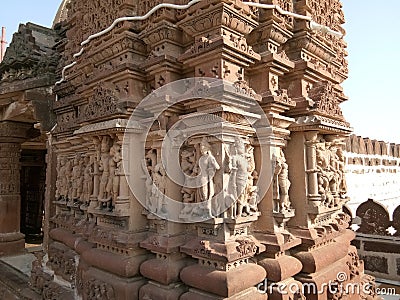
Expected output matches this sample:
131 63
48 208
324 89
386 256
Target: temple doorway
33 176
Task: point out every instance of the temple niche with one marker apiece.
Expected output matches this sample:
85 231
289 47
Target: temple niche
196 153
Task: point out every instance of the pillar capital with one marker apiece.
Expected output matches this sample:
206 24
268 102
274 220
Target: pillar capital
17 132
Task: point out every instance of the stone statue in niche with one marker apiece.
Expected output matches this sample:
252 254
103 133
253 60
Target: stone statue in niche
62 181
242 195
330 173
69 179
148 166
200 174
87 179
281 183
104 168
342 185
109 164
157 198
324 174
77 176
115 161
207 168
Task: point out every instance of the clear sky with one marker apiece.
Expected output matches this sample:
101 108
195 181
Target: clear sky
373 44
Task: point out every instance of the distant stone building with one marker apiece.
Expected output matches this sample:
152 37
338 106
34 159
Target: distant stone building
243 99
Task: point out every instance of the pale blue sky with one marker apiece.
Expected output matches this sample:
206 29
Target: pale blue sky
374 48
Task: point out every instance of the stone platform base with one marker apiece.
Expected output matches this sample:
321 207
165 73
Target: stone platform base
14 284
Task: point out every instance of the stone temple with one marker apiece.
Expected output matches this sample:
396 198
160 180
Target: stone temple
195 150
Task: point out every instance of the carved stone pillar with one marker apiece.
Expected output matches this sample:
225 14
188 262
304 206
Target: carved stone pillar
226 207
276 208
12 135
311 141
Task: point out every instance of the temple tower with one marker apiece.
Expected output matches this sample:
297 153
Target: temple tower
246 100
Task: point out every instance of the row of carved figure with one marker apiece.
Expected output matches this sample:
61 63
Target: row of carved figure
205 181
94 176
230 189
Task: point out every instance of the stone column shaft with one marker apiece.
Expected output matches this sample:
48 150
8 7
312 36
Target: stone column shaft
311 164
12 134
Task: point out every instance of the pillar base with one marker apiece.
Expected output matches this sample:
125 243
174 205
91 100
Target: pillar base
251 293
12 243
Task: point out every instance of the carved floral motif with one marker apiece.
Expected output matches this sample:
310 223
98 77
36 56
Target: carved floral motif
104 102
